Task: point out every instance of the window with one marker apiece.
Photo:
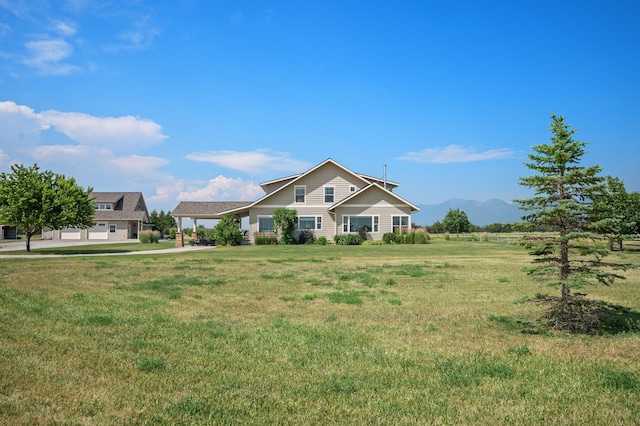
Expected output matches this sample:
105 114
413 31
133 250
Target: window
103 206
309 222
352 188
328 194
400 223
265 224
112 228
300 194
353 223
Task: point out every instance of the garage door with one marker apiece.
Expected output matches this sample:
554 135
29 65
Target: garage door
70 234
99 232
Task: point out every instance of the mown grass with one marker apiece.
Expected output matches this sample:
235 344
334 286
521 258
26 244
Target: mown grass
425 334
111 248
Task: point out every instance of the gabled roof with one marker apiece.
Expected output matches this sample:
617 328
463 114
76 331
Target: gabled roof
126 202
207 209
368 188
296 178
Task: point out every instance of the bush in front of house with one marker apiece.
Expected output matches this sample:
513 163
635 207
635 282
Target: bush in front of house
306 236
391 238
347 240
227 232
148 237
321 241
265 238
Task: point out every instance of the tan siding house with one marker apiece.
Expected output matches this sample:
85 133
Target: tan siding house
329 199
118 216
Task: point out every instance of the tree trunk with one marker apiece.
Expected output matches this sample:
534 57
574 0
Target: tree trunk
28 243
564 268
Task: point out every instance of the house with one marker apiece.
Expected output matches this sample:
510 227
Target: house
118 216
329 200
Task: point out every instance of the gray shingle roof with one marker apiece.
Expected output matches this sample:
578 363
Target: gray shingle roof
125 206
207 208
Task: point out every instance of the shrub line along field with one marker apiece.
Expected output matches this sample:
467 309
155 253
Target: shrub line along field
398 334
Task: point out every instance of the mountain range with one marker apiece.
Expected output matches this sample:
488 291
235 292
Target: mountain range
480 213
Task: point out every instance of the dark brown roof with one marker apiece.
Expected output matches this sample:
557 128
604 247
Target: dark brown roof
207 208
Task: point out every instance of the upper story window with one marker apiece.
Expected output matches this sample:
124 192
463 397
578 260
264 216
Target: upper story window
300 192
352 188
329 194
103 206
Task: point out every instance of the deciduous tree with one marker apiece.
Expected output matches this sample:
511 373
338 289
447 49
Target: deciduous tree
456 221
32 199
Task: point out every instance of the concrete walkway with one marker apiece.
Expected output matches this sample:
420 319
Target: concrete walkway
13 245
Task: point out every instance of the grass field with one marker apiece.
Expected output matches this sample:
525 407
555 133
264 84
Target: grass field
407 334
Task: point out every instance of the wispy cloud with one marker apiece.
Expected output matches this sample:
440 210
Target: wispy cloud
456 154
140 36
47 56
251 161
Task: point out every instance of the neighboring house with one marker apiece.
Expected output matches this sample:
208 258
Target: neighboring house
8 232
118 216
329 199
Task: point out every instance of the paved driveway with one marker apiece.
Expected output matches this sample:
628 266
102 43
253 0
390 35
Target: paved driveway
12 245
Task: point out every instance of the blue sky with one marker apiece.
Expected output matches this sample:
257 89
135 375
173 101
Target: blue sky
189 100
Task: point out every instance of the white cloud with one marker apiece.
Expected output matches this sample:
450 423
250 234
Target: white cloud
117 133
223 188
20 125
46 56
251 161
456 154
61 152
4 158
139 165
64 29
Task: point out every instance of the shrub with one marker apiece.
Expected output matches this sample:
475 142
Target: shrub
172 233
409 238
347 240
363 233
390 238
265 238
321 241
148 237
420 238
227 232
447 236
306 237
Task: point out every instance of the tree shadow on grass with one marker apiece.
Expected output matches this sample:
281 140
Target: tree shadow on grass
576 315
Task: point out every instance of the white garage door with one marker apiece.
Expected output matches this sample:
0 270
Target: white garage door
70 234
99 232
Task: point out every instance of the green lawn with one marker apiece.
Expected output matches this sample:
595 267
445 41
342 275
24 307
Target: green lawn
95 248
415 334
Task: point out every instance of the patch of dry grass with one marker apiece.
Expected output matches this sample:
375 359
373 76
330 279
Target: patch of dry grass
276 334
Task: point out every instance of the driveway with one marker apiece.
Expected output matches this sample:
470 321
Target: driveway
12 245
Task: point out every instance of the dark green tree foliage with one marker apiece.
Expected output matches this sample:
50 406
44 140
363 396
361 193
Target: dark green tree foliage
32 200
456 221
162 221
227 232
616 211
564 190
284 222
